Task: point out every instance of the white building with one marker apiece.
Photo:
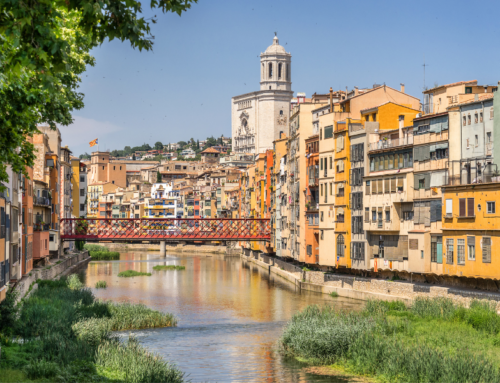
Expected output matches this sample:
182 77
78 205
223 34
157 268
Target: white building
257 118
188 153
164 202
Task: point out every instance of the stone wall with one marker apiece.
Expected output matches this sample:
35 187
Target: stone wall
170 246
53 271
369 288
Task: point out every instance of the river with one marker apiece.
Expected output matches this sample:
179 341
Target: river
231 314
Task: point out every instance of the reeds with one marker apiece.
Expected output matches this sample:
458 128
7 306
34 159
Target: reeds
92 247
132 273
104 255
74 282
433 340
64 330
168 267
101 285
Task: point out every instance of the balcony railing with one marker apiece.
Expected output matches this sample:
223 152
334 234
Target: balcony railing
42 201
41 227
391 143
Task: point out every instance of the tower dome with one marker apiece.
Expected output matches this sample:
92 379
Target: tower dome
275 68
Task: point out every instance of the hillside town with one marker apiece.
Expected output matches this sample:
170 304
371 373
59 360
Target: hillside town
367 180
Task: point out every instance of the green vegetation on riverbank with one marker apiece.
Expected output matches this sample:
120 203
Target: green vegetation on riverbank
132 273
431 341
64 335
168 267
101 253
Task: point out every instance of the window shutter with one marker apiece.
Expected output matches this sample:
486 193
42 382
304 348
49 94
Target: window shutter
433 212
367 214
461 205
350 177
427 178
361 175
379 187
426 152
350 201
367 191
470 207
486 250
386 185
393 185
352 153
400 181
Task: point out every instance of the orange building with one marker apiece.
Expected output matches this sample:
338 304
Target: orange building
51 160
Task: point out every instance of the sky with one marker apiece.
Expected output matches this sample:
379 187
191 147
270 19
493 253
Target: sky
183 88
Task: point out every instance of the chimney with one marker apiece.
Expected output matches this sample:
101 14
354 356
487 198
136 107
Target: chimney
402 87
331 100
356 91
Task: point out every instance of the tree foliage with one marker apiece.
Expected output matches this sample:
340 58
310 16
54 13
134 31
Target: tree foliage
44 48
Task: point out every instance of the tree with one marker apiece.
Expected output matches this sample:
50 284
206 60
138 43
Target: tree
133 156
211 141
197 144
182 144
158 176
44 48
84 156
158 145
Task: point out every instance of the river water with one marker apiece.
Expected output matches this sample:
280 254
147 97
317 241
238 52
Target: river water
230 314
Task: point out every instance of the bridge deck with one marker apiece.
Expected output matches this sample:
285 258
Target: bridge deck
172 229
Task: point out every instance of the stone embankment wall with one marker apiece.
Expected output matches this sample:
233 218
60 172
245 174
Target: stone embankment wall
54 271
177 247
365 288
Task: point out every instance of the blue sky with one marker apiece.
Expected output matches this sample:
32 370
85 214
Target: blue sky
183 88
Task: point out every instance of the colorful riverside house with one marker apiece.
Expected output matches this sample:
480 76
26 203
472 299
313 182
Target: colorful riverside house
471 228
312 200
471 225
27 236
279 162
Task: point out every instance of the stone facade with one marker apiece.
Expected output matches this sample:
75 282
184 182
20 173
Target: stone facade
257 118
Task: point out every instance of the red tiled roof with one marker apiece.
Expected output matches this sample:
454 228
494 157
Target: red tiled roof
451 84
210 150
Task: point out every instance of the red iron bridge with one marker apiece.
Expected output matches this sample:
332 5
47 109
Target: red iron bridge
165 229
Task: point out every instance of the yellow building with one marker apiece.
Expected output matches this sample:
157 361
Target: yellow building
95 190
471 229
79 182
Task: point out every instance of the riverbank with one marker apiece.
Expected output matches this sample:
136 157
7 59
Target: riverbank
56 268
366 288
61 332
433 340
171 247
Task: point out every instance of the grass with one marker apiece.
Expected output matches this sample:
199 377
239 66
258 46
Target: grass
67 337
104 255
434 340
91 247
168 267
132 273
101 285
334 294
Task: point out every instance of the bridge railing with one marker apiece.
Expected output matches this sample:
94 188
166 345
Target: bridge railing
165 229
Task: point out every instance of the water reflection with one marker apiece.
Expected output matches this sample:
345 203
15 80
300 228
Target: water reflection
230 312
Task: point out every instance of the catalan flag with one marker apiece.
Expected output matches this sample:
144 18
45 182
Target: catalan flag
93 143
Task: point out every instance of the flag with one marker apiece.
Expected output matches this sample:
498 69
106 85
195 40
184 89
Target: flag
93 143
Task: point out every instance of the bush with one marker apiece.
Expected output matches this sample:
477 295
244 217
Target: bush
138 364
8 312
104 255
42 368
132 273
101 285
334 294
91 247
74 282
168 267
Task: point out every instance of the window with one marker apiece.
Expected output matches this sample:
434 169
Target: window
488 137
82 179
279 70
481 117
387 216
476 140
476 119
367 214
468 89
340 245
490 207
331 163
82 192
367 189
357 250
449 208
449 251
464 120
408 215
82 207
309 247
270 71
374 215
466 207
322 217
468 119
460 251
471 248
374 117
437 249
328 132
486 249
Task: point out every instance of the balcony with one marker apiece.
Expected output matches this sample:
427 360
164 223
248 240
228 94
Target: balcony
42 201
389 144
313 173
41 227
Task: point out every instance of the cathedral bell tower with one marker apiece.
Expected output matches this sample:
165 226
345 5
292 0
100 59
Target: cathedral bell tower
275 68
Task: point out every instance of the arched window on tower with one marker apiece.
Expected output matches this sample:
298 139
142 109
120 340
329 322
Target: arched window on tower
279 71
270 70
263 76
287 72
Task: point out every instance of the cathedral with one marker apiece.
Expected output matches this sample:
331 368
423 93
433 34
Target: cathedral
258 118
